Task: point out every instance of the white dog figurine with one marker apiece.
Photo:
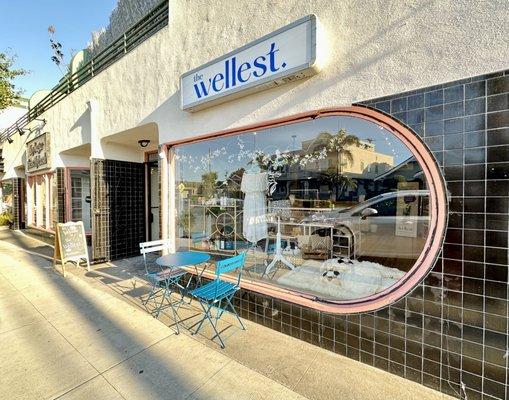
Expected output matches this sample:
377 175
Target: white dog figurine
332 268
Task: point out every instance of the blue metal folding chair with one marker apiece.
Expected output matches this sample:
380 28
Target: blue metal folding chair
161 279
218 294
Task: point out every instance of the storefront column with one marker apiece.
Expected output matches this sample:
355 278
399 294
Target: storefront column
100 214
38 200
58 196
29 204
47 203
18 203
167 183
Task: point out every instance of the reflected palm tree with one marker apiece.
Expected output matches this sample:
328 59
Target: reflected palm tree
338 181
342 144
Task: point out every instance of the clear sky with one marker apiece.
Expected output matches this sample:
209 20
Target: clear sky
225 155
24 32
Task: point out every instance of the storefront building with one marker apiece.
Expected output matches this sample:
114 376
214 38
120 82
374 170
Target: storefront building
358 154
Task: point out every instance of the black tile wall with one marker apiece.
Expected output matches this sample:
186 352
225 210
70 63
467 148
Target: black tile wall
18 202
451 332
118 201
58 190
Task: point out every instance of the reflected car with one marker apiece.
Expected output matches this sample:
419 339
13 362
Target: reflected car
390 225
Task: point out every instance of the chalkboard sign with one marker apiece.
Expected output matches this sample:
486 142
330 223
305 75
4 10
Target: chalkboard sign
71 244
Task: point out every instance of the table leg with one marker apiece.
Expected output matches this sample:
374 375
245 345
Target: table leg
200 274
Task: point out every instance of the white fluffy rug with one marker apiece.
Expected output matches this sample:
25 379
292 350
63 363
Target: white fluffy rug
343 281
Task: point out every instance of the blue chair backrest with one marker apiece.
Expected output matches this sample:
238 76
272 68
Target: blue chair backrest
231 264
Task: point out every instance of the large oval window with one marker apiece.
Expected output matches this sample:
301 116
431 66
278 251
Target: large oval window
344 210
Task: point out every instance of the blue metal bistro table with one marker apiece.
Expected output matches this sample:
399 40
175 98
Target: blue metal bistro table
175 261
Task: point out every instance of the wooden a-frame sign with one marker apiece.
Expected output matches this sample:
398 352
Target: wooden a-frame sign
70 245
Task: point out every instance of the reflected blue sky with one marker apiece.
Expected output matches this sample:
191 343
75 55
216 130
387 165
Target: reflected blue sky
225 155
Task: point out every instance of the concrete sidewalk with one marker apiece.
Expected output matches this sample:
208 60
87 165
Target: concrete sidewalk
20 239
78 338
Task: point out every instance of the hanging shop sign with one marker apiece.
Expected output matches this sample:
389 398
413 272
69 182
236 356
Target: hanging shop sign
38 156
283 56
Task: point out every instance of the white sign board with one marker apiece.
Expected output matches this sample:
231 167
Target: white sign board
407 210
283 56
70 244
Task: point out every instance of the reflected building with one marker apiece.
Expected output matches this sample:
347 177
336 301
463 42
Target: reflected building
359 163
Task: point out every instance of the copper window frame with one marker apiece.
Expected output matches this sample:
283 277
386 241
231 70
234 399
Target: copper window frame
438 212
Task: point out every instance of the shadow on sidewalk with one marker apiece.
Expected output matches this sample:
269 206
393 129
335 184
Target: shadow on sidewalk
96 317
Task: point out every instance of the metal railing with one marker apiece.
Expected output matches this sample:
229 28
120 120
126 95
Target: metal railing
151 23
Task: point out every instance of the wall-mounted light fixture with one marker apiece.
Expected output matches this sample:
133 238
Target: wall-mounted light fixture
10 140
20 131
143 142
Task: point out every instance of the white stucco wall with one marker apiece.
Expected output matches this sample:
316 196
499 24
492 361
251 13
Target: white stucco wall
12 152
376 48
9 115
14 157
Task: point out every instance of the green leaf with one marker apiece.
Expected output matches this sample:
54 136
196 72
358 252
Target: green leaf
9 95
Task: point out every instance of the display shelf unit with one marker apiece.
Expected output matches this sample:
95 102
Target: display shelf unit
224 223
305 229
221 229
345 243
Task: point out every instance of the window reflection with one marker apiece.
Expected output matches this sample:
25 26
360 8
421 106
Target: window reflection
80 197
336 207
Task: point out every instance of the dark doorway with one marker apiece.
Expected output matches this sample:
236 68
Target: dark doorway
153 197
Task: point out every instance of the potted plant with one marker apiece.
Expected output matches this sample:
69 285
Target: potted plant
6 220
